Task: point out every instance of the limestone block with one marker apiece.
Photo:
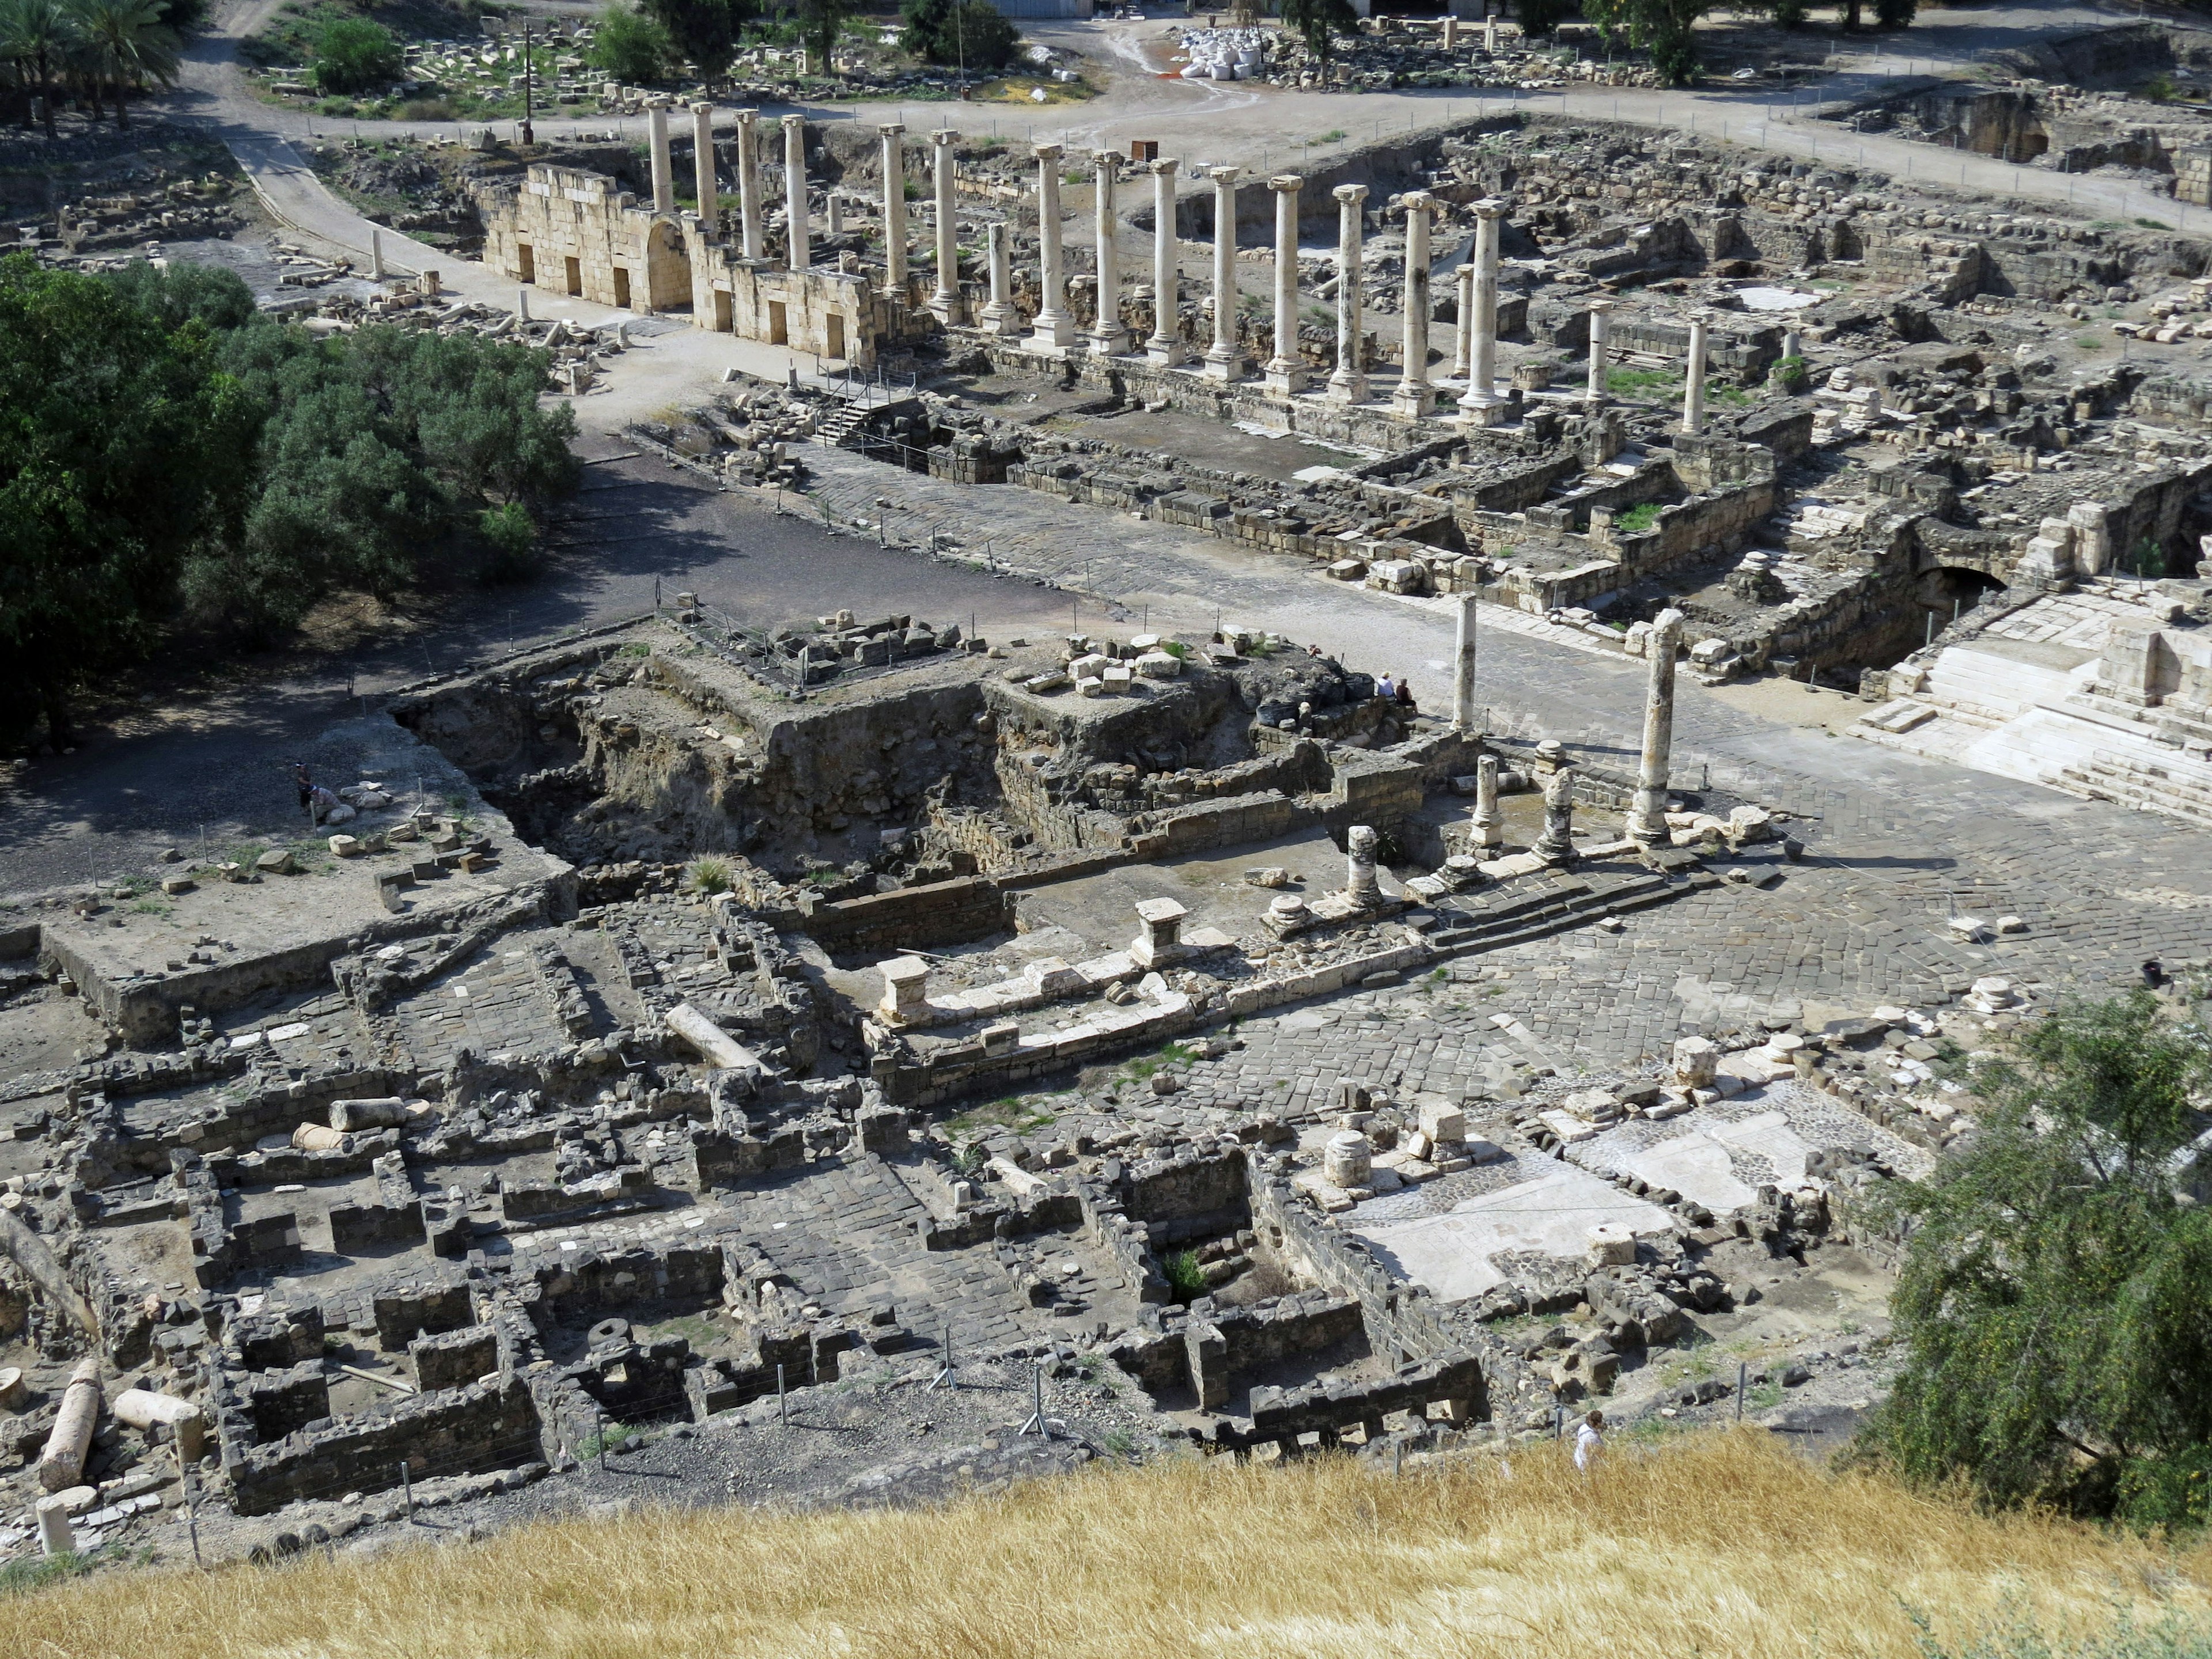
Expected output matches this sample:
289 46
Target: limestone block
1696 1059
345 847
1347 1161
173 885
1158 666
352 1116
1441 1120
906 991
1611 1244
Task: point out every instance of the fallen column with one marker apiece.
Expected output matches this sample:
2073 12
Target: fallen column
62 1463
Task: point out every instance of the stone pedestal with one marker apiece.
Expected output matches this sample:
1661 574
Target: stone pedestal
1158 942
1052 331
1348 385
795 192
1347 1160
1415 396
703 168
1224 360
944 299
894 138
906 992
1557 844
1107 334
1598 311
749 196
1165 346
1287 370
1647 815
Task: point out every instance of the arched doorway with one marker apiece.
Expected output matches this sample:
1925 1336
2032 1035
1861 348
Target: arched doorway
667 269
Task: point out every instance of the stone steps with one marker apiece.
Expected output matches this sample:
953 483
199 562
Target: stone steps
1508 916
2180 790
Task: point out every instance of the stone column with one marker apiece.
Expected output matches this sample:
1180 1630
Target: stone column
375 254
1479 404
1360 885
1286 371
1463 355
1349 384
1793 344
521 303
1557 844
1165 347
1052 329
794 191
664 172
1414 397
749 196
945 301
894 136
1107 334
833 212
1647 813
702 167
1693 393
1463 668
1226 360
1000 316
1599 310
1490 32
1486 823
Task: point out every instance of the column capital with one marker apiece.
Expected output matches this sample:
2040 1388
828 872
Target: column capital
1418 201
1049 153
747 117
704 107
1287 183
1601 305
1352 194
1107 160
1703 316
1225 175
943 137
1164 169
1490 207
892 129
660 103
792 121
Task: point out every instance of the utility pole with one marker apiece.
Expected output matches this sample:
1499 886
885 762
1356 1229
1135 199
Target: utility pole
529 136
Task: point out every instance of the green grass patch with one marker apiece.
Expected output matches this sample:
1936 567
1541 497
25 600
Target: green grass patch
1639 518
1634 382
1184 1276
2153 224
2089 343
605 1440
1015 1112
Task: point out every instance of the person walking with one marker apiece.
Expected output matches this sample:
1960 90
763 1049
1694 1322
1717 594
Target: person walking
1589 1442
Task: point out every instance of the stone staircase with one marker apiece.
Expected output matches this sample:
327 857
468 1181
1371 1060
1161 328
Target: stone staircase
838 424
2179 788
1532 907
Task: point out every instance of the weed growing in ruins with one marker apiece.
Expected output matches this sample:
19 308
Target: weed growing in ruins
1629 382
2154 224
609 1438
151 906
18 1577
1185 1277
1639 518
708 875
2089 343
1333 136
1120 1443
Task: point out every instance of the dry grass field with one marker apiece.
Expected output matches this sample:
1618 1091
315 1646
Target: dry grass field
1716 1547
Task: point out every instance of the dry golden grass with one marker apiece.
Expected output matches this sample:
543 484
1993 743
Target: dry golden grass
1721 1547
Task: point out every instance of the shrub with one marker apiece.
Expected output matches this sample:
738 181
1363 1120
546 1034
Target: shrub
628 46
708 875
353 54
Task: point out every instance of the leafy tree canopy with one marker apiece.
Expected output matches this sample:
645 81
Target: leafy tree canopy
629 46
353 54
2052 1304
1318 22
954 32
705 31
1662 27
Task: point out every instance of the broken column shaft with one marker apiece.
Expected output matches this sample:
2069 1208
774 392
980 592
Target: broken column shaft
1286 371
1693 393
1557 844
1348 385
749 199
1000 316
1647 814
702 166
794 191
1598 311
894 138
1415 396
1107 334
1051 328
1165 346
946 301
1226 359
1486 824
62 1463
664 172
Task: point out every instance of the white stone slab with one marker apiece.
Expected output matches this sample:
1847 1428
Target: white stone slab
1451 1254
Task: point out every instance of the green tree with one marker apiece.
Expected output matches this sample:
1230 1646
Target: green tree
705 31
972 32
182 293
1662 27
2051 1302
1895 14
353 54
1540 18
122 447
629 46
1318 22
37 36
126 44
820 22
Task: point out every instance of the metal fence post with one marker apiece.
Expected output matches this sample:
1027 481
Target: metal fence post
407 1488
